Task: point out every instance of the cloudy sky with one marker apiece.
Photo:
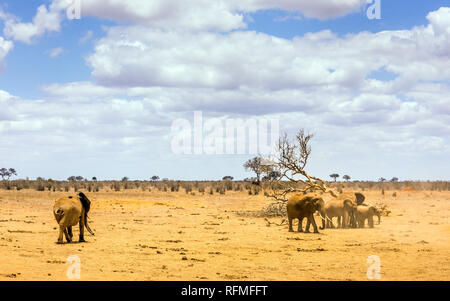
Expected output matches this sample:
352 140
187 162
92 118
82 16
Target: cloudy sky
97 96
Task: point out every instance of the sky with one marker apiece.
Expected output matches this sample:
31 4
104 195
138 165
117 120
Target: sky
112 88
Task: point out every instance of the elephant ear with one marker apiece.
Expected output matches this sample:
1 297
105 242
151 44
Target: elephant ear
85 202
359 198
318 202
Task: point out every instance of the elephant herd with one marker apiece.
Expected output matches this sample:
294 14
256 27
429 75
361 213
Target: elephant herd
348 208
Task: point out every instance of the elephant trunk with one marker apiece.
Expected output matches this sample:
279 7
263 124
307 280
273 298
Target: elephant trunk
379 218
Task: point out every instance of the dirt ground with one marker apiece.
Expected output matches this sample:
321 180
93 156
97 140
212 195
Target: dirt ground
175 236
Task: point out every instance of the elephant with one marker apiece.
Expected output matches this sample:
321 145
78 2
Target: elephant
358 199
300 206
367 212
343 208
69 211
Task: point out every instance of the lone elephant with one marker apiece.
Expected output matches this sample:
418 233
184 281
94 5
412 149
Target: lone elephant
70 211
366 212
300 206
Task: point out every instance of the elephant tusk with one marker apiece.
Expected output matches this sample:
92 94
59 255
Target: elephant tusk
322 217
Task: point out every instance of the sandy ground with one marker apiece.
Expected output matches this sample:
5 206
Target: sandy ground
175 236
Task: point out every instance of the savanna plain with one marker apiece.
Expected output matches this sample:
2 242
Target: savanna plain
152 234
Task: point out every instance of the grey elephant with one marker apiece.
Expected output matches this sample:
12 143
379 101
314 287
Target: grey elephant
70 211
343 208
358 199
304 206
367 212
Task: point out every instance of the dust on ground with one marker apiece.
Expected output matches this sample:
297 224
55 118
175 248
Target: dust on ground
179 236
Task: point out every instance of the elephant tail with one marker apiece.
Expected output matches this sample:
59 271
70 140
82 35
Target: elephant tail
86 224
87 206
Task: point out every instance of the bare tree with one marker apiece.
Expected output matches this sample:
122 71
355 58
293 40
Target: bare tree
290 161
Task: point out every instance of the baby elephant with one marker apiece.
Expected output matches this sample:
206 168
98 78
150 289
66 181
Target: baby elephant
69 211
366 212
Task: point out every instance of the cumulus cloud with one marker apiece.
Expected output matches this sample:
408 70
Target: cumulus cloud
45 20
195 15
164 65
143 56
5 48
440 20
219 15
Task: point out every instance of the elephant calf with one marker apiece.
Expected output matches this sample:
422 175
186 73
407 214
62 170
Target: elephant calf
70 211
366 212
300 206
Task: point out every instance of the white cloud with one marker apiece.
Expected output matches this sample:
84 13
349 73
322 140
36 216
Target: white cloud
5 48
194 15
440 20
55 52
87 36
143 56
45 20
148 75
219 15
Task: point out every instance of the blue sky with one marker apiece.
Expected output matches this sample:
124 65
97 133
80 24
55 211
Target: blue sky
97 96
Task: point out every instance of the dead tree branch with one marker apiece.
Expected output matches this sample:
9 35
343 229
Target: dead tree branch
290 162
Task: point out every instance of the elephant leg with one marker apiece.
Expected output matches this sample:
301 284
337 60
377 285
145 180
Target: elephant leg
61 233
339 222
68 238
82 229
69 230
352 221
300 224
313 222
290 225
370 221
308 225
344 220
